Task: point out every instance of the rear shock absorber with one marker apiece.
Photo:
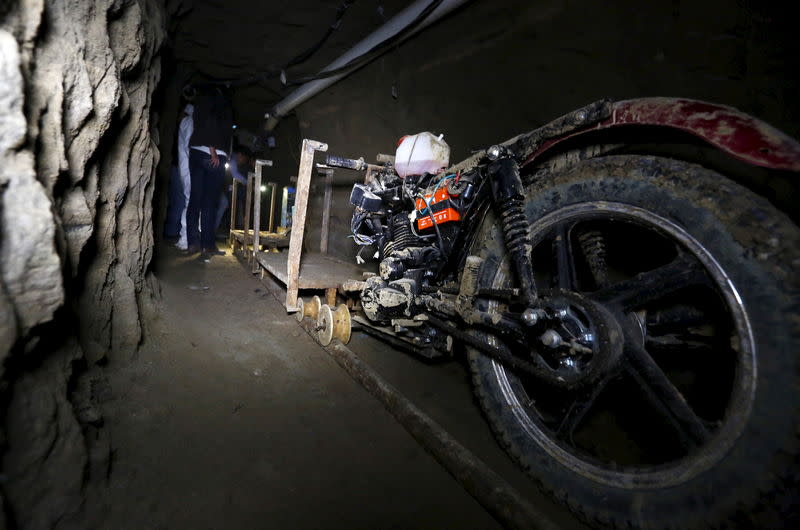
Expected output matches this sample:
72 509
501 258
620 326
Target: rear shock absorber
594 248
507 194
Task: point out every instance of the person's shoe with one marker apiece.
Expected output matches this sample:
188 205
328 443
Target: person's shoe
213 251
192 249
182 247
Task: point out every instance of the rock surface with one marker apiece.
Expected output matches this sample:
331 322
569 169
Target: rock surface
77 161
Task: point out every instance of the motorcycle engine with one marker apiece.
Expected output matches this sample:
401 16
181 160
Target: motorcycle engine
413 222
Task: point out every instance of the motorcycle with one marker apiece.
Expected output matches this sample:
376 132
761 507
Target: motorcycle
629 316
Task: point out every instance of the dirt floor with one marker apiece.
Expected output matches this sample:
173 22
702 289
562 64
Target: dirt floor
233 417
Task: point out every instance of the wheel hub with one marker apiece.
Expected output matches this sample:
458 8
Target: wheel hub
578 336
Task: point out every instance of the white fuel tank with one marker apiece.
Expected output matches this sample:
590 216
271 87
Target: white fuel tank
421 153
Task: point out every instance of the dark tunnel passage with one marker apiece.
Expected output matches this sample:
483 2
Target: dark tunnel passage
148 386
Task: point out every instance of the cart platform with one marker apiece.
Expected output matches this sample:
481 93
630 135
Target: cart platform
317 271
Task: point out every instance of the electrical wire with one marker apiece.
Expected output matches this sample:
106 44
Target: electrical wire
355 224
435 224
367 56
274 73
331 29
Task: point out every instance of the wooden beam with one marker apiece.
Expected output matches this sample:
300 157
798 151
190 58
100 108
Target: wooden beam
248 203
330 296
256 214
257 210
299 220
273 187
326 211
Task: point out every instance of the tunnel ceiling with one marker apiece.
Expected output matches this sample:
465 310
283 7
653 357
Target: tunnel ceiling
232 39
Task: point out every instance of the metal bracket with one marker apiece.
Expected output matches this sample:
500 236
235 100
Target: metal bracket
257 211
299 220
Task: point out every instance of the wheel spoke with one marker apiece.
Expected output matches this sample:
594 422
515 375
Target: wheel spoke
565 265
648 286
675 318
687 342
580 408
683 315
664 396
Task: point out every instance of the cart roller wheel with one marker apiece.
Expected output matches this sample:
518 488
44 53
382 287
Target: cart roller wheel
342 324
333 324
308 310
312 310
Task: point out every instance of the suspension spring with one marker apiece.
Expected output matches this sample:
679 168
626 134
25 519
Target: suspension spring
508 196
515 224
594 248
515 234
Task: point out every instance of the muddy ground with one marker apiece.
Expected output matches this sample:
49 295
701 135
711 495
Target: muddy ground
233 417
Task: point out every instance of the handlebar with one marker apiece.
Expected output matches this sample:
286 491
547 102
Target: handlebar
347 163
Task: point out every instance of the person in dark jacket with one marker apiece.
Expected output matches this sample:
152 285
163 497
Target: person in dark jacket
240 163
209 144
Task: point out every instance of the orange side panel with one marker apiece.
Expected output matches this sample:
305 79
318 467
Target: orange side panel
443 216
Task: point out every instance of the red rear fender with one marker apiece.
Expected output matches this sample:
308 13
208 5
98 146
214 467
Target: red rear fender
734 132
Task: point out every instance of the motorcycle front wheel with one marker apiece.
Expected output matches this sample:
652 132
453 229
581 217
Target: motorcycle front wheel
696 422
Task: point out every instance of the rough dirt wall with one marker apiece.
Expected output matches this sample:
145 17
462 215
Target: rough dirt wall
494 69
77 159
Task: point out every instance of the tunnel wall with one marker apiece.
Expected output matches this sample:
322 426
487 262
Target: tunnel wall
495 69
77 158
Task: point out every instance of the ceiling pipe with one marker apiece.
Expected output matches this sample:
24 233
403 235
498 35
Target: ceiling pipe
395 25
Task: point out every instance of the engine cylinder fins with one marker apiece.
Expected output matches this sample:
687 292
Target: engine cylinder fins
311 309
401 235
333 323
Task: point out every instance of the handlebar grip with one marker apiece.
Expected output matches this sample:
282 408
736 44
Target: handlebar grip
348 163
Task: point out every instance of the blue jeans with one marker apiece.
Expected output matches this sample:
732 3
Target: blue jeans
202 211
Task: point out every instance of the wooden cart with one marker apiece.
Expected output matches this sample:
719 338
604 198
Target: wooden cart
248 238
293 268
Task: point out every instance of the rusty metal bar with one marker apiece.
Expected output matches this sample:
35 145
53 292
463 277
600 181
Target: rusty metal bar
257 210
491 490
326 211
248 205
299 220
488 488
272 188
256 215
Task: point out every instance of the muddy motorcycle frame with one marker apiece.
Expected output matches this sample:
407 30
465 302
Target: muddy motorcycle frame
726 129
699 318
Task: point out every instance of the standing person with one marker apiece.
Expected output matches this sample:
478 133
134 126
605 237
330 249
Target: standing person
212 130
185 131
175 200
240 164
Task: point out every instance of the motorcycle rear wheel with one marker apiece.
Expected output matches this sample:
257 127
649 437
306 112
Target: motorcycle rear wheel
731 352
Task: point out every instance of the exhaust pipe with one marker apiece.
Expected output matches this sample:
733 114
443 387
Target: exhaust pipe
394 26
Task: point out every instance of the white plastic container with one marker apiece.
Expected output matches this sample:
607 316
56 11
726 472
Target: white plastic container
421 153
